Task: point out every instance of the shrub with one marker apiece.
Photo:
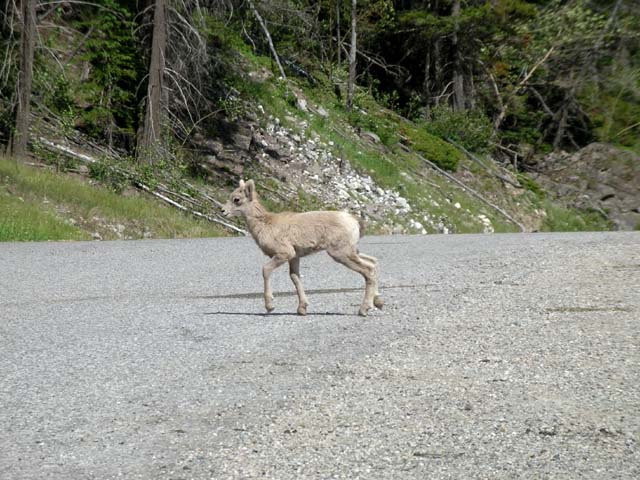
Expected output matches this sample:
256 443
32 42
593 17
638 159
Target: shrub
433 148
530 184
470 128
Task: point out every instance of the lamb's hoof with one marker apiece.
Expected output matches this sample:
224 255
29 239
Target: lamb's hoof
363 312
378 302
269 308
302 310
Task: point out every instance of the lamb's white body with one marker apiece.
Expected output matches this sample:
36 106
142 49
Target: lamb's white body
286 237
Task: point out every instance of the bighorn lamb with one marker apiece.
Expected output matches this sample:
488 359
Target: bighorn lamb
286 237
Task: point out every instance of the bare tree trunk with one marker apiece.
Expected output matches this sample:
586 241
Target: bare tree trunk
427 83
339 39
458 77
148 146
437 69
352 58
263 25
25 78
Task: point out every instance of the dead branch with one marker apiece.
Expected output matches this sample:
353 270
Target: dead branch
393 70
502 178
522 84
80 45
65 150
537 94
263 25
179 206
627 129
472 192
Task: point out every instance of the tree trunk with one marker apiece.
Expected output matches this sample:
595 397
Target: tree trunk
427 83
437 70
458 77
148 146
27 44
339 39
352 58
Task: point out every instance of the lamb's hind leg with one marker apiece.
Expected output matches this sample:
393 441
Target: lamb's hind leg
349 258
377 298
294 273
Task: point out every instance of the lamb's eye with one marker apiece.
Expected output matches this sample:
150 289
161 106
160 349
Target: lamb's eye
236 200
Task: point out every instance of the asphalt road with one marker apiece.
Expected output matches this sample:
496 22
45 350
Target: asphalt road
499 356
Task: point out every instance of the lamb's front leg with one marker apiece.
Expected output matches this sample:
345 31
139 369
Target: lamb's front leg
269 267
294 273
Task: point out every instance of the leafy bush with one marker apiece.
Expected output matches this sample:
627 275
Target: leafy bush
385 131
433 148
530 184
112 178
470 128
566 219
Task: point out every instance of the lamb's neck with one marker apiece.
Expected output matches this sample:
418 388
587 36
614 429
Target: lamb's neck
257 219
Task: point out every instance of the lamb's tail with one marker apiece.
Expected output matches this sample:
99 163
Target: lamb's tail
361 226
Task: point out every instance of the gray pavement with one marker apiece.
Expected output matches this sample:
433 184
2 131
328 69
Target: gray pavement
499 356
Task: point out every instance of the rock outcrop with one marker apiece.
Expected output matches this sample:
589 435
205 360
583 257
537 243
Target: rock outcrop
600 177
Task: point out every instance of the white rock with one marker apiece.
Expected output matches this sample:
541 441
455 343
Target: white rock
457 205
343 194
302 104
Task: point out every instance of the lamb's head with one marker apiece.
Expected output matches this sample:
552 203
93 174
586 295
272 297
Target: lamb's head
241 200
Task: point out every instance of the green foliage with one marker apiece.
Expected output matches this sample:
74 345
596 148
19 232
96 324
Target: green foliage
385 130
530 184
563 219
57 91
615 105
470 128
109 93
431 147
110 177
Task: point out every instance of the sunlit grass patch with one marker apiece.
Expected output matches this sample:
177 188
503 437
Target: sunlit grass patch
48 196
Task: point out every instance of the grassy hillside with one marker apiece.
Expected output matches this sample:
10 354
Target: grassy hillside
39 204
395 159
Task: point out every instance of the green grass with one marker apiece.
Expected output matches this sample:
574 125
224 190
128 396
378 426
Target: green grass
22 221
562 219
50 198
387 163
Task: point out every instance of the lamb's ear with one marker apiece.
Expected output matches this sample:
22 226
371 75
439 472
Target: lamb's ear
250 189
241 183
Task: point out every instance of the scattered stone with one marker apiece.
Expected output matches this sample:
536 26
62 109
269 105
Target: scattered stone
323 113
372 137
301 103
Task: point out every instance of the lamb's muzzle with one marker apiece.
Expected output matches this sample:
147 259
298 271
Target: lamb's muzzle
286 237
